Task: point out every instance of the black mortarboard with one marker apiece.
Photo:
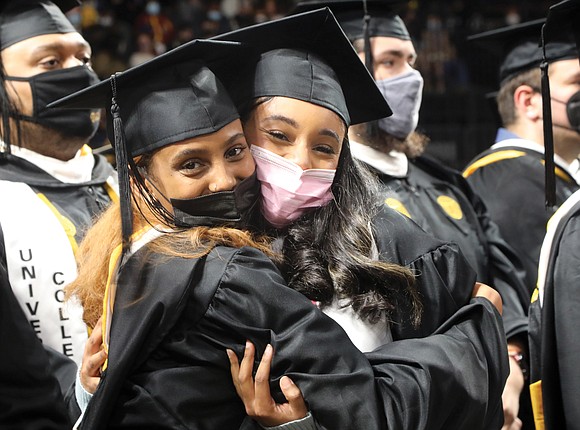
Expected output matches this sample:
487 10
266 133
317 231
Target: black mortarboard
384 19
560 24
308 57
518 48
173 97
563 20
21 20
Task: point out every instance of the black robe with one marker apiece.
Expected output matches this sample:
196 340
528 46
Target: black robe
554 329
441 202
30 396
79 203
513 191
173 319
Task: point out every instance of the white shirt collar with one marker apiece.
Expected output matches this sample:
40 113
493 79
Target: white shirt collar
393 163
77 170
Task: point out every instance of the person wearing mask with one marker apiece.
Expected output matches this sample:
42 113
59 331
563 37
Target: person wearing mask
54 184
554 316
509 176
434 196
469 331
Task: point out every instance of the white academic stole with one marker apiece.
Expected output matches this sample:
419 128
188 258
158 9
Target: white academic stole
40 247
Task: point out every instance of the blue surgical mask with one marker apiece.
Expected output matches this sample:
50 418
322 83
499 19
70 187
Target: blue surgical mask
153 8
404 94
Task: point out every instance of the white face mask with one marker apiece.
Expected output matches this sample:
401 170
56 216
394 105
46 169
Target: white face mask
404 94
287 190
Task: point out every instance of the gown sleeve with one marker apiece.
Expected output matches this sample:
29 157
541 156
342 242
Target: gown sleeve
450 380
466 356
252 302
444 278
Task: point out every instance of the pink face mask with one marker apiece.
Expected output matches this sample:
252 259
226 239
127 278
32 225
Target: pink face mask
287 190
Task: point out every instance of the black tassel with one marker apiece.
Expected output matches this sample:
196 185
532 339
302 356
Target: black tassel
122 161
372 126
548 135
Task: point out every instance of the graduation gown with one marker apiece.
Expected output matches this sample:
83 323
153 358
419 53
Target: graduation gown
30 396
441 202
173 319
510 180
71 208
554 322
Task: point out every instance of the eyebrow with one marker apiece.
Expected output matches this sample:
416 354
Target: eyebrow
398 53
323 132
57 46
200 151
330 133
283 118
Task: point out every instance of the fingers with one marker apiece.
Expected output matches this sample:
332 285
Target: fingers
234 369
262 381
245 377
294 397
95 340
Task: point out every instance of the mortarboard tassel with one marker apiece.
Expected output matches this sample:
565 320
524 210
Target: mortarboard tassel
548 135
122 161
372 126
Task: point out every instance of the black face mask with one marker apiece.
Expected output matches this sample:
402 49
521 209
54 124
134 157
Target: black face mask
573 111
225 208
50 86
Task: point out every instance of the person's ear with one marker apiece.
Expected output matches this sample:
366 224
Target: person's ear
528 103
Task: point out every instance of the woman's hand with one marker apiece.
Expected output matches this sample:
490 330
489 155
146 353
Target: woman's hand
482 290
255 393
94 357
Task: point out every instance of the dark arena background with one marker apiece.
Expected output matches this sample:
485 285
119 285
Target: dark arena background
458 111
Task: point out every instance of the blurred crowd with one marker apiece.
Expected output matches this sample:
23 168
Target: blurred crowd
124 33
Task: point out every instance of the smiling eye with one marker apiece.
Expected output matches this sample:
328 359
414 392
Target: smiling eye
325 149
191 165
278 135
235 152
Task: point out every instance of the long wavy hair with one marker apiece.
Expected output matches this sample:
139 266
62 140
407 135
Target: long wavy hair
100 241
330 252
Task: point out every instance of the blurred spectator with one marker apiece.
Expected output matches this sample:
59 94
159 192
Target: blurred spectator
155 22
145 50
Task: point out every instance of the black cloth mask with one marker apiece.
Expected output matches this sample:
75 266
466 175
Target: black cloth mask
53 85
573 111
231 208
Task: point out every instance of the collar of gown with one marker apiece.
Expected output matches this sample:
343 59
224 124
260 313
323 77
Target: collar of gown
77 170
393 163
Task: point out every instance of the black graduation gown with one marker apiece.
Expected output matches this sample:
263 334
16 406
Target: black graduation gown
441 202
30 396
554 333
173 319
513 191
79 203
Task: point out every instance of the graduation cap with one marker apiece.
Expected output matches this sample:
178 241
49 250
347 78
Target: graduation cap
170 98
559 25
308 57
382 15
21 20
562 22
518 47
